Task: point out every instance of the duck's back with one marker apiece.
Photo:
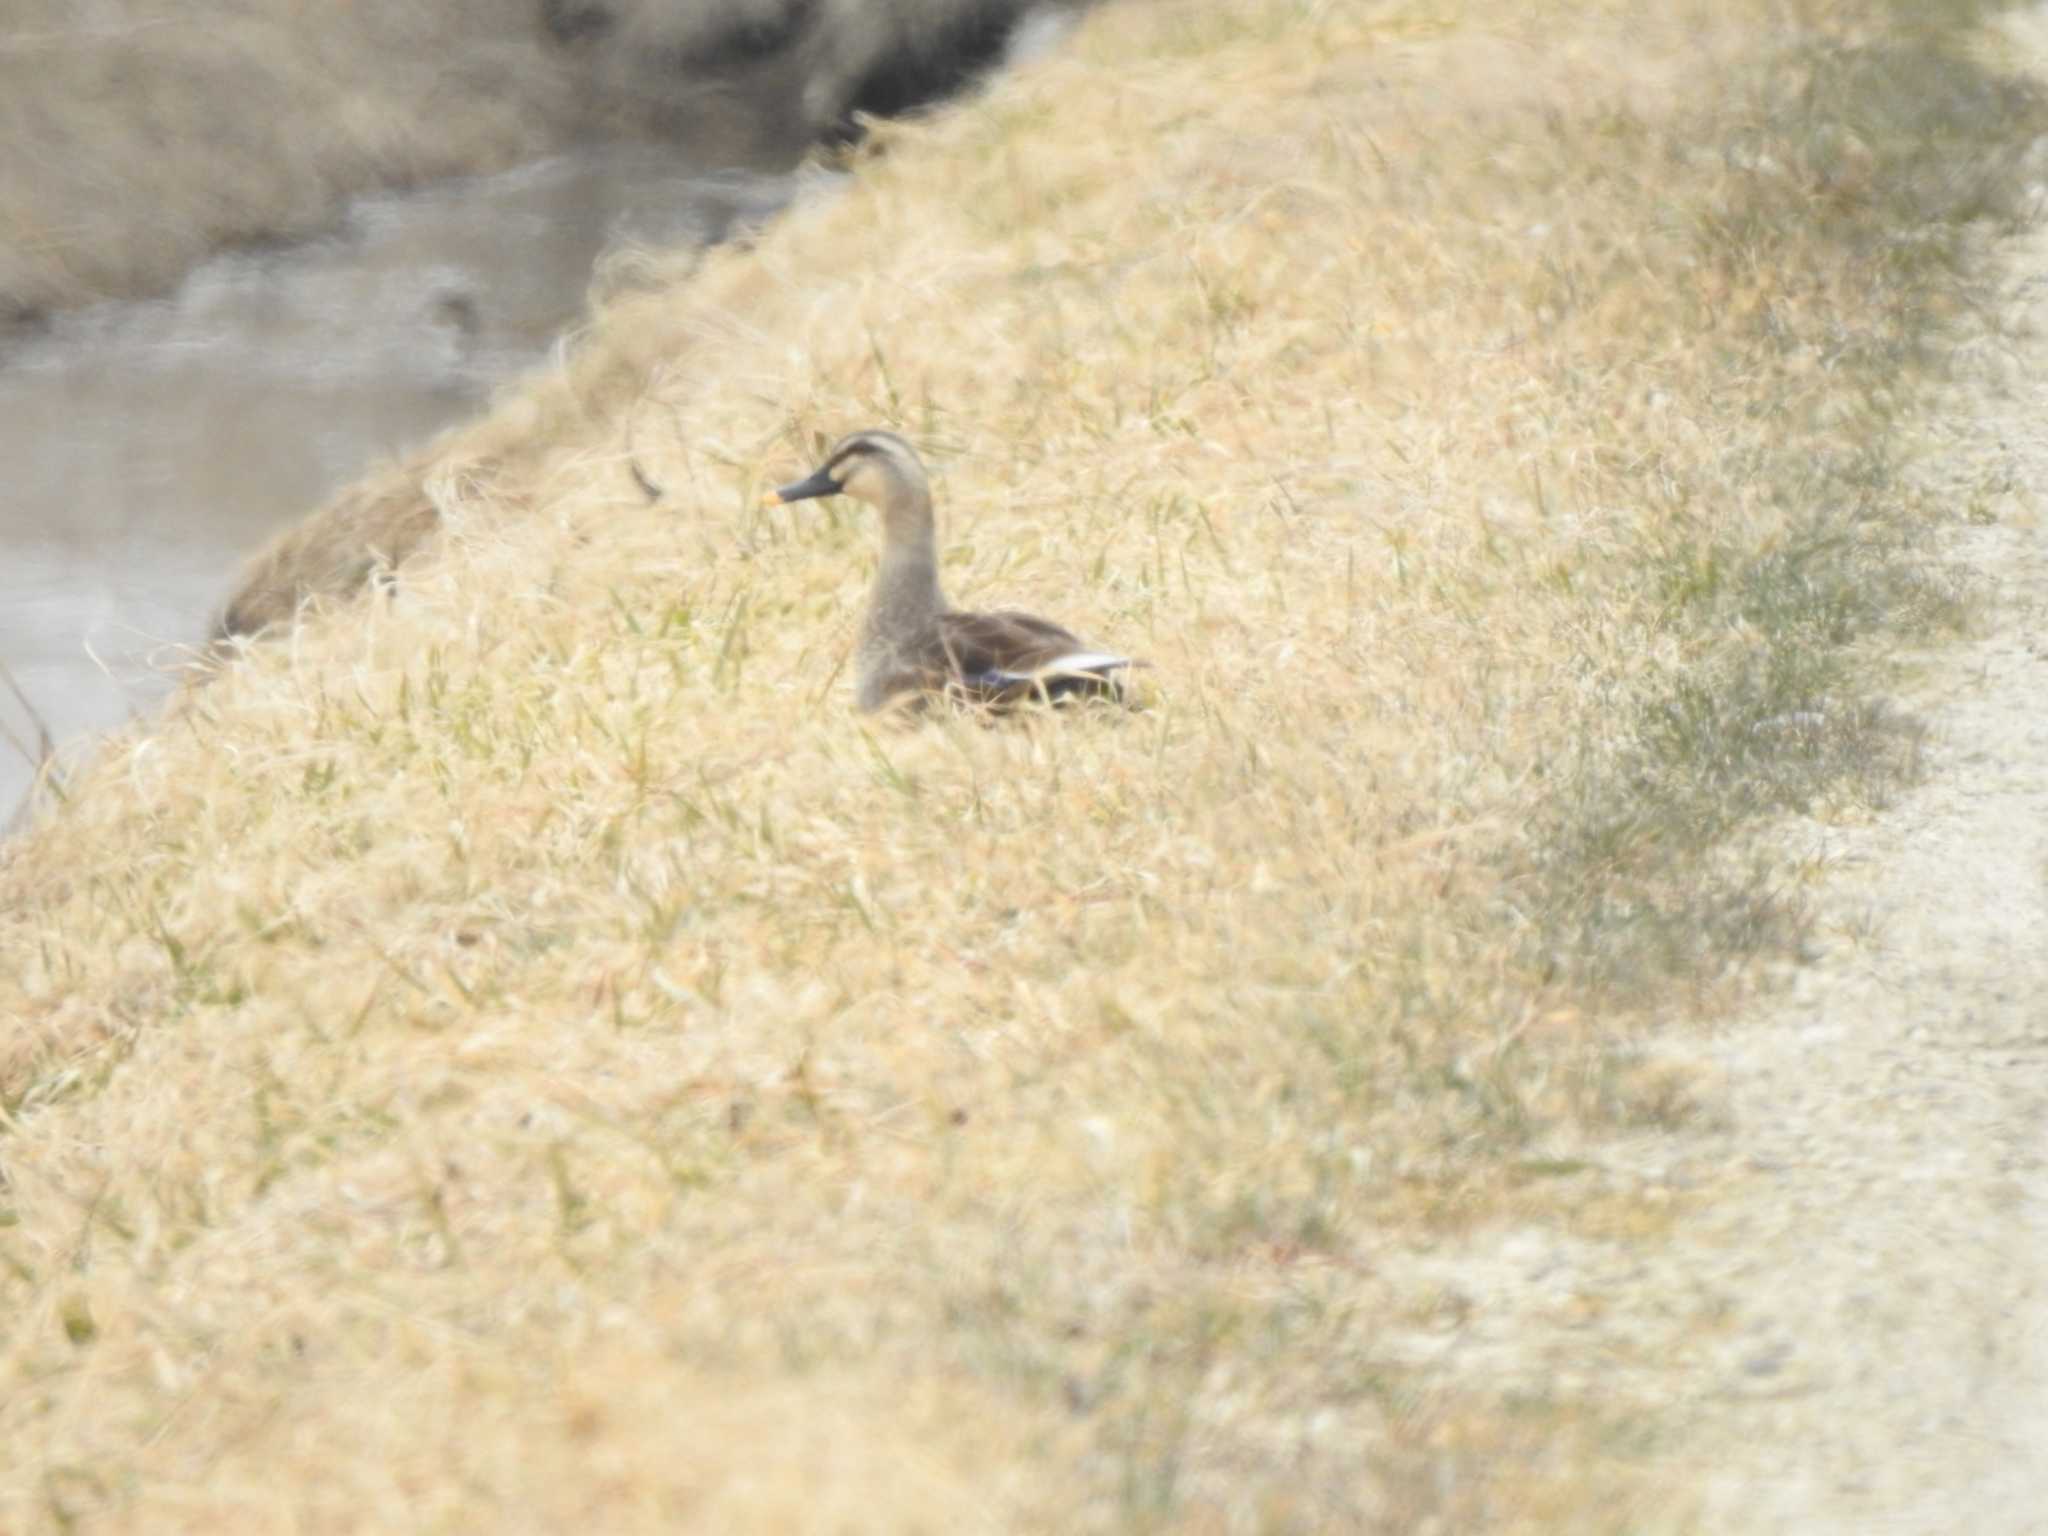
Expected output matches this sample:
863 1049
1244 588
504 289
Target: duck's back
1004 641
991 658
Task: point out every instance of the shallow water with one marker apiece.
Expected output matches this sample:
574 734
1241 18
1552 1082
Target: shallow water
148 448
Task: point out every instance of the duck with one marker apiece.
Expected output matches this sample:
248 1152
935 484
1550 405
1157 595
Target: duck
915 647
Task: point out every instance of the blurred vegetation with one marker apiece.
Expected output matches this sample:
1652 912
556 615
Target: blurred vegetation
141 139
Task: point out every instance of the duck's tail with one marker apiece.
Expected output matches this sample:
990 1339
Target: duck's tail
1079 674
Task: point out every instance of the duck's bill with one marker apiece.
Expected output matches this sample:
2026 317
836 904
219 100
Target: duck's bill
820 484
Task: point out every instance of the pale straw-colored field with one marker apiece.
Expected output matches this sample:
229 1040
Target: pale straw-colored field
518 1053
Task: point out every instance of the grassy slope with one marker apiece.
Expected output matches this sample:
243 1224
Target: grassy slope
520 1053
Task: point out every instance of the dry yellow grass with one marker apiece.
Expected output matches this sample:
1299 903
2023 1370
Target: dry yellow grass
517 1053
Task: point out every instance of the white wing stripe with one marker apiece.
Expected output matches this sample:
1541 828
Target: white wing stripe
1082 661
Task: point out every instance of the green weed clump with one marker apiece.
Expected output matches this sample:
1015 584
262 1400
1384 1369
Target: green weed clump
514 1048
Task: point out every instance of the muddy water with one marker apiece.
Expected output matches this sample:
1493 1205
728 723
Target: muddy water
146 448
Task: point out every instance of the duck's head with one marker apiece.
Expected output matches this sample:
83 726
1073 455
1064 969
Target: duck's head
876 467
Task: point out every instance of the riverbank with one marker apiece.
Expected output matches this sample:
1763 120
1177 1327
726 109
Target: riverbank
516 1043
141 141
151 447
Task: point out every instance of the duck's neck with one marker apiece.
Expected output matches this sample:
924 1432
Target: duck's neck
906 597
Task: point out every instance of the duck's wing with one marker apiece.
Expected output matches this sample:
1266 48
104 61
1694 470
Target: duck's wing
1006 657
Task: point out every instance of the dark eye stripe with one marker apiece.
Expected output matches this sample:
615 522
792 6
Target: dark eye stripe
852 450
